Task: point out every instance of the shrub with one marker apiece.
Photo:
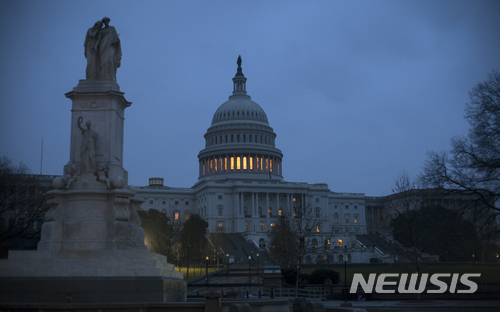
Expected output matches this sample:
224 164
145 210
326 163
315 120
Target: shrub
319 276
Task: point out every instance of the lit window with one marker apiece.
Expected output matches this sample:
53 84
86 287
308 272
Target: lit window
271 165
355 218
267 164
317 228
347 219
263 226
216 161
281 212
225 163
238 167
186 217
261 164
294 199
273 224
248 226
327 244
336 218
220 225
232 163
339 243
176 216
270 211
251 163
244 163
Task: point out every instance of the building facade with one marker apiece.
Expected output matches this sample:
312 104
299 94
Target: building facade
241 187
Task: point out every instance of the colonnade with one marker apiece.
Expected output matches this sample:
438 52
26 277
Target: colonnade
240 162
284 203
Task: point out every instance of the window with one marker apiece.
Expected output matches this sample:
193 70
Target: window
238 165
355 206
244 163
317 229
270 210
226 138
219 211
232 163
317 212
251 163
317 200
244 137
335 207
232 138
327 243
260 211
245 211
248 226
280 212
220 225
176 215
273 224
346 218
164 202
177 202
314 243
186 216
187 203
250 138
150 201
346 206
262 226
220 196
339 243
336 217
356 218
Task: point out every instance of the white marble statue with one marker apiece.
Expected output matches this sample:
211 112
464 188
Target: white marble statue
71 174
89 146
110 51
91 51
102 175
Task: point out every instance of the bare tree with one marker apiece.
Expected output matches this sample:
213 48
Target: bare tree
473 166
22 205
294 236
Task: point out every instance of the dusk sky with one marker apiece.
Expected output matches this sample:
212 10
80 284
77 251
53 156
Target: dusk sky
356 91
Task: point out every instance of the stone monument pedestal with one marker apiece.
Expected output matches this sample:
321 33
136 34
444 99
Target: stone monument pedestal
92 246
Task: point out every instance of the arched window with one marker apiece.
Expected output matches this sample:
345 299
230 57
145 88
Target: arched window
314 243
356 217
347 218
339 243
176 215
187 214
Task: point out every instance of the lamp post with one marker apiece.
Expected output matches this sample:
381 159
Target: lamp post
227 264
472 258
249 270
206 278
257 264
345 273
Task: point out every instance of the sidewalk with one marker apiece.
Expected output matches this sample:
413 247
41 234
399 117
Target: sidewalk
413 303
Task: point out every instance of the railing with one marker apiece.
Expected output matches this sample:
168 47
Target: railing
315 293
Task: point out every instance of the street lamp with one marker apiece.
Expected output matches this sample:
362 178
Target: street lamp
472 258
227 264
249 270
345 274
257 264
206 278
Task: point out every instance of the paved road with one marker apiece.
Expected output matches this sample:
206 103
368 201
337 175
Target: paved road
428 306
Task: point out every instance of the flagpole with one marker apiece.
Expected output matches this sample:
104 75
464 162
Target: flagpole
41 158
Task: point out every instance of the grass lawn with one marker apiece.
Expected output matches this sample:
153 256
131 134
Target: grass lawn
194 272
489 274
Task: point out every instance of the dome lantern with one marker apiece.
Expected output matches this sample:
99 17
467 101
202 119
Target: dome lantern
239 80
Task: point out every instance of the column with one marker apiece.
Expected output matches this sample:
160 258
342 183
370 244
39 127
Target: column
241 196
236 206
267 205
277 204
252 208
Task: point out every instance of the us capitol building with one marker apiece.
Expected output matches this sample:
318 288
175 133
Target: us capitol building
241 189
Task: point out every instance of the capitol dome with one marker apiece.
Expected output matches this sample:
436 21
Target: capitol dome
240 143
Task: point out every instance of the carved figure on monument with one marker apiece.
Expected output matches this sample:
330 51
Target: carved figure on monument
71 174
89 146
91 51
102 175
110 51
